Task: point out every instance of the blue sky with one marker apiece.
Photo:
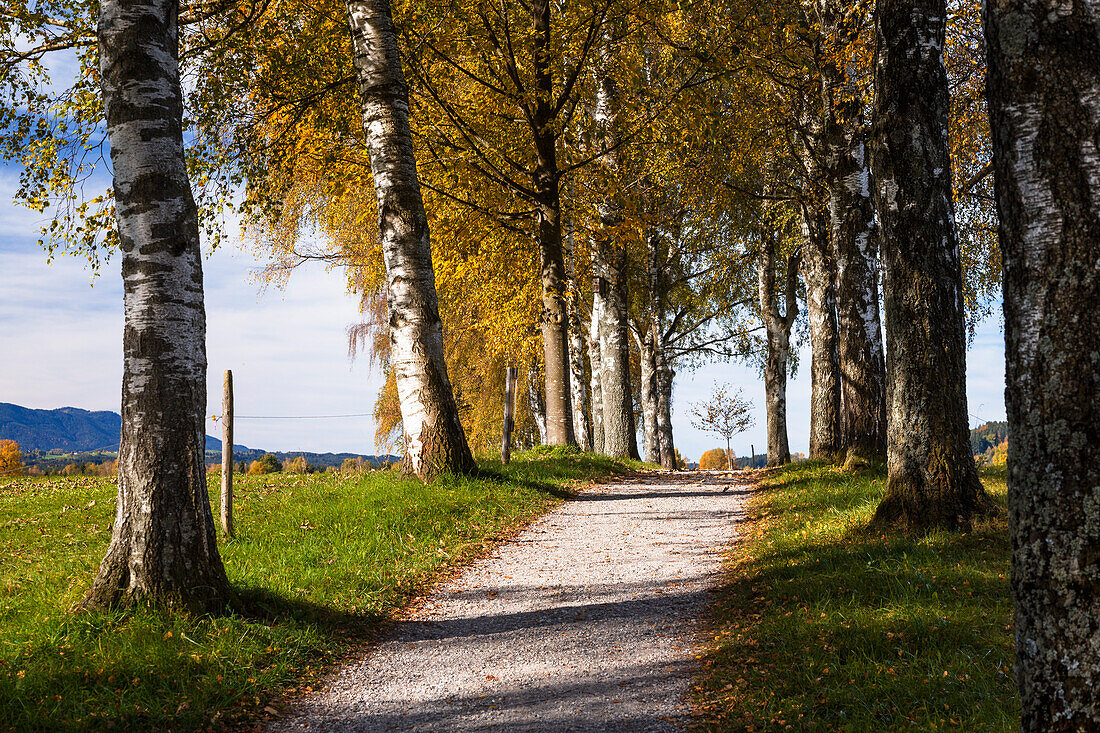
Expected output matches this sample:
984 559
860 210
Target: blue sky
61 340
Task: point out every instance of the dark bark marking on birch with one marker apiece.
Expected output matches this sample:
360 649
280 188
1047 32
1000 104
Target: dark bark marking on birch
1043 86
932 481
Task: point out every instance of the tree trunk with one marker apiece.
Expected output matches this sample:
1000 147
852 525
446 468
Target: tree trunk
434 439
664 411
619 440
578 389
1044 104
163 549
555 343
534 401
852 232
778 328
649 399
818 271
932 481
610 269
595 364
775 389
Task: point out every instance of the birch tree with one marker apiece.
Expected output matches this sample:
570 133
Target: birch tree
609 255
777 325
1044 104
932 481
434 439
163 549
851 222
818 271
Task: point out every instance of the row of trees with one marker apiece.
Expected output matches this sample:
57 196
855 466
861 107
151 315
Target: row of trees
697 146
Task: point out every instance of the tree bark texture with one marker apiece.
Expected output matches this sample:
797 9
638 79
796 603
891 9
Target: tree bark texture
555 338
852 230
664 411
616 397
649 399
666 454
534 400
163 549
609 254
577 386
778 328
818 270
932 480
1044 103
596 368
434 439
845 171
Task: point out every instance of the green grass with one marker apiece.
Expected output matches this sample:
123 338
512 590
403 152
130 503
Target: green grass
323 559
822 626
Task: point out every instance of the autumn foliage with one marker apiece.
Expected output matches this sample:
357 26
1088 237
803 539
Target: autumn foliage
11 459
713 460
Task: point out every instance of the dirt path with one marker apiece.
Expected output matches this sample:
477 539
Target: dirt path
583 623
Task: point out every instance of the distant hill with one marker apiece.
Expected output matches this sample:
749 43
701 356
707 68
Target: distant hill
73 430
987 436
69 429
66 428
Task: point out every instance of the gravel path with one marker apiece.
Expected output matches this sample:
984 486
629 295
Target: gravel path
582 623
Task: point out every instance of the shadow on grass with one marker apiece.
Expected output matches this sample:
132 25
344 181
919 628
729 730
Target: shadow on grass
824 626
173 670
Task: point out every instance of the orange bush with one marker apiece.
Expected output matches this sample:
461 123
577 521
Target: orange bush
714 460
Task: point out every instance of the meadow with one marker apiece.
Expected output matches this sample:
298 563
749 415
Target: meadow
821 625
321 561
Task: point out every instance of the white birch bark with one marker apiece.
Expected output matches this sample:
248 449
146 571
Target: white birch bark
1044 108
650 430
163 549
596 368
434 439
619 438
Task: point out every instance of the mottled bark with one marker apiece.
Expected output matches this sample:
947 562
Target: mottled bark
932 481
859 335
616 397
595 367
555 339
609 266
778 328
577 387
434 439
664 410
534 400
652 440
163 549
818 270
1044 105
656 284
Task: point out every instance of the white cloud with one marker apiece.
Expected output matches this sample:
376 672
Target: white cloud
61 341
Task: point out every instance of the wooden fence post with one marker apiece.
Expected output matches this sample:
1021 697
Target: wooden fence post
227 454
753 455
509 413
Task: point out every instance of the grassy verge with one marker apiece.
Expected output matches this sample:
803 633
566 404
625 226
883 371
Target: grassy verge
820 626
324 558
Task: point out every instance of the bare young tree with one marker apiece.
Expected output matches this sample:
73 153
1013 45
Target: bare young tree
726 413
